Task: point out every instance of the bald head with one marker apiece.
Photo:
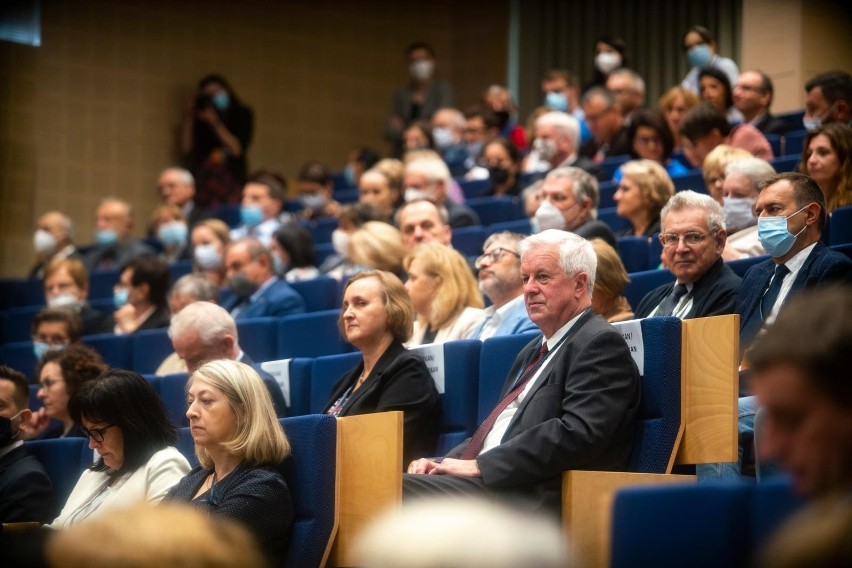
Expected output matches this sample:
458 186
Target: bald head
117 215
203 331
176 186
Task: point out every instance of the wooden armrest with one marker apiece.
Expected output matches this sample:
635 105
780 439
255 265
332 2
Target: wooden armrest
587 508
369 475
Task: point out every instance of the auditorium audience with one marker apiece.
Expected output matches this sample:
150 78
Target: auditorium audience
66 285
643 191
499 274
713 168
610 280
444 294
215 136
503 160
561 91
26 493
570 198
828 98
651 139
674 104
699 45
140 296
417 136
827 158
240 445
53 240
422 221
429 178
169 227
703 128
606 123
480 126
127 424
739 194
715 89
693 237
114 243
176 186
293 253
60 375
54 329
315 189
209 239
376 317
753 94
260 209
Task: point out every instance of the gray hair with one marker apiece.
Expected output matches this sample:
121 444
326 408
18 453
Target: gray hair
210 321
585 185
183 175
433 169
692 200
455 115
576 254
503 236
755 169
636 79
443 214
196 286
565 124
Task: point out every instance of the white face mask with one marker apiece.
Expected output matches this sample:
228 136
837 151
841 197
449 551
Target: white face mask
607 62
207 257
340 242
443 137
548 217
413 194
545 148
44 243
63 300
421 70
738 212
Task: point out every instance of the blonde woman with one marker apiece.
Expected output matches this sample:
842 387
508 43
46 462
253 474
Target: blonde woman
444 293
713 168
239 444
377 245
644 189
209 239
610 280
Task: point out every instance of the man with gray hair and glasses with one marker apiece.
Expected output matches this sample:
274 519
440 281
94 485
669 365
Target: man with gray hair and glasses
693 237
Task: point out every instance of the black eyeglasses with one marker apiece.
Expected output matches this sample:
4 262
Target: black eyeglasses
96 434
492 257
690 239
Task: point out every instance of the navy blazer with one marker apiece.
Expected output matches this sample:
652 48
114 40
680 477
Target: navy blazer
714 294
26 493
580 414
823 266
517 321
279 299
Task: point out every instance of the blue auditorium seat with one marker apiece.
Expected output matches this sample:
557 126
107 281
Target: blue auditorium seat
319 293
34 401
321 229
611 218
172 391
497 209
323 251
793 119
786 163
775 143
179 269
338 180
495 361
693 180
64 459
259 338
311 475
102 282
612 163
16 323
843 249
461 389
20 357
643 282
794 141
116 350
186 445
521 226
300 386
348 195
230 214
655 251
634 253
325 371
741 265
606 193
13 292
840 228
474 188
469 240
310 335
148 348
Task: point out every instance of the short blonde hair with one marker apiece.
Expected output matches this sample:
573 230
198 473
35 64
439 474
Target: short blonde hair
654 183
667 101
377 245
719 157
610 276
75 269
260 440
400 312
166 211
393 170
457 288
218 227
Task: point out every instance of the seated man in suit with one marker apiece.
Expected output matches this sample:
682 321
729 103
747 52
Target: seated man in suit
693 237
752 97
499 276
26 493
176 186
257 291
791 216
114 242
53 240
557 141
569 402
429 178
203 331
421 221
260 209
570 198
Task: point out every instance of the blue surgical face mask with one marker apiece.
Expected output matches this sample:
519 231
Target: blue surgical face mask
349 175
251 215
815 122
221 100
173 233
106 237
699 55
313 201
40 348
119 297
556 101
774 235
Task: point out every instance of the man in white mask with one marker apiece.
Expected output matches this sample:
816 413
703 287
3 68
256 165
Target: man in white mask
447 127
557 139
739 194
570 203
429 178
52 240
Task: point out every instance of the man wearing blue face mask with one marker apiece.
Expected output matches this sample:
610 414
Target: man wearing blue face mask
828 99
260 210
561 90
115 245
54 329
700 48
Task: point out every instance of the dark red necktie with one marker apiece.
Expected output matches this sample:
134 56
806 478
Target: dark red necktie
478 439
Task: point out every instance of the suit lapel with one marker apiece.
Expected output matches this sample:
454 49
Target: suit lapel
372 381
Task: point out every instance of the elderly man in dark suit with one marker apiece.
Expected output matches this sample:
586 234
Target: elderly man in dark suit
693 237
570 399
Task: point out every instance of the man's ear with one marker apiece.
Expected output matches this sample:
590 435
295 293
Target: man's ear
841 109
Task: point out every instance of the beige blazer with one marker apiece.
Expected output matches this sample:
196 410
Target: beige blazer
459 328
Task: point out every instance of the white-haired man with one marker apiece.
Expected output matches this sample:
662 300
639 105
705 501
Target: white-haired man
203 331
447 129
629 89
52 240
556 145
693 237
429 178
569 401
176 186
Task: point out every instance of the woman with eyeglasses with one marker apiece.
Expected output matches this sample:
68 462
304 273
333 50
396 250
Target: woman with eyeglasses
376 317
127 424
240 446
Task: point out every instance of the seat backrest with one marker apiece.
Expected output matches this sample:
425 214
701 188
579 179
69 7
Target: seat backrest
102 282
17 322
497 209
259 338
794 141
172 391
311 475
606 194
612 219
300 386
786 163
19 356
840 228
495 360
643 282
474 188
310 335
741 265
186 445
148 348
116 350
64 459
520 226
612 163
693 179
325 371
469 240
659 426
319 293
634 253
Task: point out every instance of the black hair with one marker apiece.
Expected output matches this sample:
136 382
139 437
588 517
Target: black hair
805 191
316 172
509 146
414 46
367 157
216 78
71 319
425 129
19 381
298 243
835 86
124 399
720 76
705 34
154 272
273 180
702 120
651 118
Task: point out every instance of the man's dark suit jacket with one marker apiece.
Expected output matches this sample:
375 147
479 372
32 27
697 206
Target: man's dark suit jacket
400 380
768 124
580 414
114 256
279 299
594 228
26 493
461 215
714 294
822 267
620 146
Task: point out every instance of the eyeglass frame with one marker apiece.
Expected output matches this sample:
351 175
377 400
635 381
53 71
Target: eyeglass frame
494 256
685 237
96 434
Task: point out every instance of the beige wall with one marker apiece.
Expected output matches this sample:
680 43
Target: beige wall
94 111
793 40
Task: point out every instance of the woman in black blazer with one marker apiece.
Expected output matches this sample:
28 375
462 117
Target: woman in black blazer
377 317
